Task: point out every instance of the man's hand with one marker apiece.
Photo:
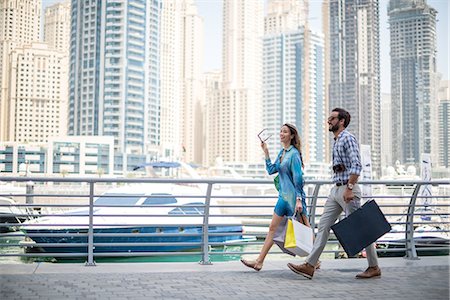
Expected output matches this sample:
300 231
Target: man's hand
348 195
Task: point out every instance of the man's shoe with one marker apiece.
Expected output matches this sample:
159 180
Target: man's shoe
305 269
370 272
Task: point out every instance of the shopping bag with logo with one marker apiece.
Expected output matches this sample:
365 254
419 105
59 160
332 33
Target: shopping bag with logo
280 235
361 228
299 237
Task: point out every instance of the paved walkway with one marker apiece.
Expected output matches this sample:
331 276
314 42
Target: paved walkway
427 278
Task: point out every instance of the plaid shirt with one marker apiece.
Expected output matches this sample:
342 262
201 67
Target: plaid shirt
346 152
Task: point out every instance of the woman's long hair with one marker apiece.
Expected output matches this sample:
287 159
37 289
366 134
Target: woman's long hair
296 141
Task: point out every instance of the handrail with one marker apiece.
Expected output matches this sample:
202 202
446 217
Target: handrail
410 247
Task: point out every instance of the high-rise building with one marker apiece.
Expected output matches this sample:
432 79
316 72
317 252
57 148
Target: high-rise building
284 15
237 107
355 68
444 124
326 79
37 94
386 130
113 88
412 25
213 85
181 81
57 26
20 21
293 89
19 25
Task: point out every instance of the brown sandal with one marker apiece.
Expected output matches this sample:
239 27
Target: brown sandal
251 264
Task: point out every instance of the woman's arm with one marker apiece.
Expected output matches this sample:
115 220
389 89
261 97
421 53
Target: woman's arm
271 168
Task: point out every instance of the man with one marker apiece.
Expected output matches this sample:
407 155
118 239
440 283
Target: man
345 195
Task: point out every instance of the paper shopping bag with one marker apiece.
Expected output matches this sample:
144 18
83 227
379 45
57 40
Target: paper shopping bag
280 235
361 228
299 238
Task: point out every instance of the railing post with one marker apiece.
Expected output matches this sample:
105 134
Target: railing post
411 252
90 261
313 204
205 241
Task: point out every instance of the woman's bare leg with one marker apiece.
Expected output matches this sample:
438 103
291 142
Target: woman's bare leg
268 242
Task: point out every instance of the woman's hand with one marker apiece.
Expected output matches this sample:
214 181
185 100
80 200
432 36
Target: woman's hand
298 205
265 149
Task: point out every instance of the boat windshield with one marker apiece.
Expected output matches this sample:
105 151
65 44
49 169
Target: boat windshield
117 199
160 198
196 208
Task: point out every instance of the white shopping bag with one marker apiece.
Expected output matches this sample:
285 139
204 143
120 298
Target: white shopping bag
299 238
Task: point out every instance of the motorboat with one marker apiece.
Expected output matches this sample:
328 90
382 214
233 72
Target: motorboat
429 237
155 214
10 214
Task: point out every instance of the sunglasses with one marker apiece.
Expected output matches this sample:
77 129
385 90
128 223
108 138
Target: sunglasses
263 135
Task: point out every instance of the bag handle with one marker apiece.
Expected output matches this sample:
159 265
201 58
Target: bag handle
300 218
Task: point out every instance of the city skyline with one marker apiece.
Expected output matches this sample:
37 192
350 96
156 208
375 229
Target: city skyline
237 86
211 12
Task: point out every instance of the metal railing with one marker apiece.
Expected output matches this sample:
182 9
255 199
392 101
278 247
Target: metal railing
397 199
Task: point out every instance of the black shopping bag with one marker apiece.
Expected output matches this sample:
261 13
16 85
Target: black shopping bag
280 235
361 228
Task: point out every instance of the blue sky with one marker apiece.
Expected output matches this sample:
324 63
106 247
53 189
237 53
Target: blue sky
211 12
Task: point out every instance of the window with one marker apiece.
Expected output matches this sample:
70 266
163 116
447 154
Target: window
117 199
154 199
196 208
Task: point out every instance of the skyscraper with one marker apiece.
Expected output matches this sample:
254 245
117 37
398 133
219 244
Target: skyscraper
112 47
237 106
293 86
181 81
57 26
37 94
20 24
413 80
355 68
444 124
285 15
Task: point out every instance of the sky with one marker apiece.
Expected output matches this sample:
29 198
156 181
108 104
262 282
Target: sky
211 12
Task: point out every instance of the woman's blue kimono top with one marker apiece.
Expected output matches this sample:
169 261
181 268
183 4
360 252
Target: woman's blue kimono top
290 175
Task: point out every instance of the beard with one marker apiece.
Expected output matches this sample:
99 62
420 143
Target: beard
333 128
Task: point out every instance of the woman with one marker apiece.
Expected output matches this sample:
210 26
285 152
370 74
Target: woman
291 198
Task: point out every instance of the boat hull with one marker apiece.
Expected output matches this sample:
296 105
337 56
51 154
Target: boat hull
234 231
425 247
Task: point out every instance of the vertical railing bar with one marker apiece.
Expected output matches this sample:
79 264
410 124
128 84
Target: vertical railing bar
90 261
411 252
313 203
205 240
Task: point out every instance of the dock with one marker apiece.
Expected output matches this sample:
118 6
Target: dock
426 278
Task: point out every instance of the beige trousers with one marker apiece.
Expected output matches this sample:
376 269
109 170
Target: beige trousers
334 206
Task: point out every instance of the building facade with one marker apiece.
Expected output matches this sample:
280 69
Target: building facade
285 15
236 108
293 89
444 124
355 68
57 26
20 23
37 94
75 155
109 87
412 26
181 81
386 131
